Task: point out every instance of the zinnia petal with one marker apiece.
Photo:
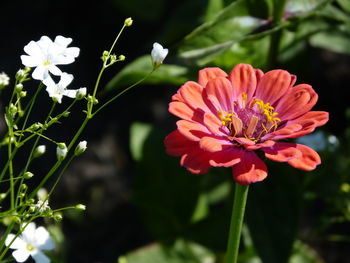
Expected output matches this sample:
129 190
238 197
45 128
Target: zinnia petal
251 169
192 130
177 144
219 92
296 102
282 152
191 93
183 111
226 158
207 74
212 144
243 79
308 161
273 85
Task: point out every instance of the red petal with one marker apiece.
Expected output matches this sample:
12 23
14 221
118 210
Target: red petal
308 161
243 79
207 74
196 161
183 111
251 169
214 125
273 85
282 152
211 144
296 102
226 158
192 130
220 93
191 93
176 144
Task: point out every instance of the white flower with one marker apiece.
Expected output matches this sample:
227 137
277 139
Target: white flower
42 206
45 55
58 90
31 243
4 79
61 151
158 54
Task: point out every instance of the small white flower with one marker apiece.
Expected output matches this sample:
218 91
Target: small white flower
31 243
58 90
45 54
61 151
4 79
81 147
158 54
42 206
40 150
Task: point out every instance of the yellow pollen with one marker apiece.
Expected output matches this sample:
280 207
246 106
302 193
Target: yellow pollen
244 99
46 63
267 110
224 117
30 247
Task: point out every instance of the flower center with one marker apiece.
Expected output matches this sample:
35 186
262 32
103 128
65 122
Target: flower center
251 120
30 247
47 63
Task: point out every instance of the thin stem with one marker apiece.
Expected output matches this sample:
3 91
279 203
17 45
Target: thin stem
239 203
121 93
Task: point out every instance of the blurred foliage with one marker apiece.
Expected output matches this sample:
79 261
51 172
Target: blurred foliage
182 209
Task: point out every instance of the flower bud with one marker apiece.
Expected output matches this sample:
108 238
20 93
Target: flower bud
40 150
4 80
80 207
28 175
66 114
121 58
12 109
81 147
81 93
61 151
128 22
158 54
58 217
22 94
19 87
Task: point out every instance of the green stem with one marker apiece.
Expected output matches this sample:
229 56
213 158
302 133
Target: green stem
239 203
278 12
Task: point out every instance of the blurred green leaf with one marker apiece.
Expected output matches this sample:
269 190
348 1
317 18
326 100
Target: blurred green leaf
272 214
138 134
136 70
345 4
181 251
298 7
302 253
334 40
213 38
213 7
165 192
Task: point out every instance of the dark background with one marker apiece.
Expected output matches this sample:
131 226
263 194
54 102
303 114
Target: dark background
103 177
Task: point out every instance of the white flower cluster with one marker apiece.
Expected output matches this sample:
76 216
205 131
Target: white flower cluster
4 79
44 55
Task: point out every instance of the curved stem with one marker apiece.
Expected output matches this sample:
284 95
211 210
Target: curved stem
239 203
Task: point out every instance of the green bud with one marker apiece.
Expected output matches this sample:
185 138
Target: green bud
58 217
23 188
23 94
81 93
2 196
80 207
28 175
61 151
128 21
66 114
18 87
12 109
121 58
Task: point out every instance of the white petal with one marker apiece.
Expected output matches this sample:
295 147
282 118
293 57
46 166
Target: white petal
63 60
70 93
20 255
54 70
72 51
40 73
40 257
17 244
66 79
34 50
63 41
49 82
30 61
43 239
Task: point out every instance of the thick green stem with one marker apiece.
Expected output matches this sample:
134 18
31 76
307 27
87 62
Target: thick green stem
239 203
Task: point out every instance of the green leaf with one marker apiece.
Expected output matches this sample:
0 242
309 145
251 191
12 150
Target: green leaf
213 7
272 214
138 134
136 70
213 38
300 7
335 41
345 4
181 251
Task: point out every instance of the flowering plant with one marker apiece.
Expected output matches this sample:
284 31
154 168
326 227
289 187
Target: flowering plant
24 201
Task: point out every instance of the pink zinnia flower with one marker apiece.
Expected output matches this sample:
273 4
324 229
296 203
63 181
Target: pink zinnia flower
225 119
